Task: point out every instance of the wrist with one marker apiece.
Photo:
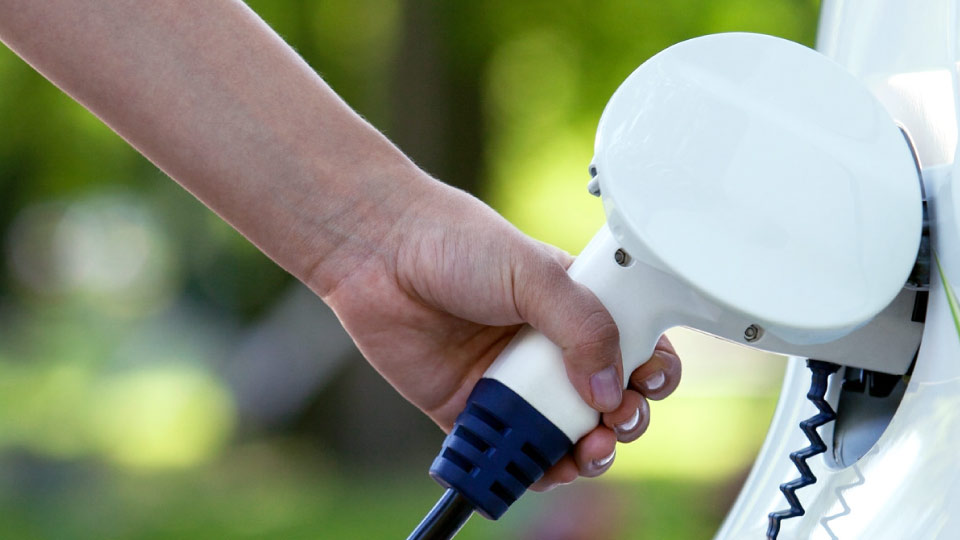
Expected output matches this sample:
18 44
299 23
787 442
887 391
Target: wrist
361 219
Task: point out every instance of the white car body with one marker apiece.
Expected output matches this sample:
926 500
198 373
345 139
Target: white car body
907 485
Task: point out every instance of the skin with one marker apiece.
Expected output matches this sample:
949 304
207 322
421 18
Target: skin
429 281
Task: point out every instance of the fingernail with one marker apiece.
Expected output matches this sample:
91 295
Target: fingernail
599 465
606 389
630 424
654 381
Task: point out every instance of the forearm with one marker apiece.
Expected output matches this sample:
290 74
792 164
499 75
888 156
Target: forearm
216 99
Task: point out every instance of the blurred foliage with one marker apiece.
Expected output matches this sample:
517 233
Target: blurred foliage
121 296
260 492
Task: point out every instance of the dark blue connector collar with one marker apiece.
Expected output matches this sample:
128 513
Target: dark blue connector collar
499 445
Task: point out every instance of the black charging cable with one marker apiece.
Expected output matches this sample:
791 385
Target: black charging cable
445 518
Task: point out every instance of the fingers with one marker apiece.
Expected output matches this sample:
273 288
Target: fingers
571 316
595 453
631 418
659 376
564 472
591 456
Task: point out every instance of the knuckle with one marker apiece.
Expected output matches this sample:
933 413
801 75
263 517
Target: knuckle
597 333
552 273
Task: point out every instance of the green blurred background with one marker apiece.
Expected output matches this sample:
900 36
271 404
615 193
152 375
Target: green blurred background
160 378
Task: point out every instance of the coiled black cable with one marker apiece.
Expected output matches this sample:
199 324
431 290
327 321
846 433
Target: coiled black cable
445 518
821 371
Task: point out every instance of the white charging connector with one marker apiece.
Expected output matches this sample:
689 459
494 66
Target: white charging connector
762 195
754 190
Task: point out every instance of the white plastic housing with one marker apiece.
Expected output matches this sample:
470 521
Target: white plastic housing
752 181
908 483
767 177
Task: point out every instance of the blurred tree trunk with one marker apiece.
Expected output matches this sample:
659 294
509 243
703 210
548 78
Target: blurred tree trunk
436 120
435 102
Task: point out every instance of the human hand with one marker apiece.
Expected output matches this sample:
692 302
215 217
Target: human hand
430 282
436 302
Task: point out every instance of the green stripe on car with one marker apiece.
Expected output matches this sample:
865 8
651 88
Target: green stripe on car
951 296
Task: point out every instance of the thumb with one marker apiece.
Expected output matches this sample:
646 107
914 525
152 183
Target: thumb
573 318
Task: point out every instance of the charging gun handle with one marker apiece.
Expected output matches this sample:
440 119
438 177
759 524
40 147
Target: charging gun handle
524 414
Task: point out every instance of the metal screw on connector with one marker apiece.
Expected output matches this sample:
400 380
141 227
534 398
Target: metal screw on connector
752 333
622 257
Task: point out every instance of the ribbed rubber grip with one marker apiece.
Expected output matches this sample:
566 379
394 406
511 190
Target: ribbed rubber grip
499 445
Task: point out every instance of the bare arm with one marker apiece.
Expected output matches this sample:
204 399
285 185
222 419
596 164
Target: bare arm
429 282
211 95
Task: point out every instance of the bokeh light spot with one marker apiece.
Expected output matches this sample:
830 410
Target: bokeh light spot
164 416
